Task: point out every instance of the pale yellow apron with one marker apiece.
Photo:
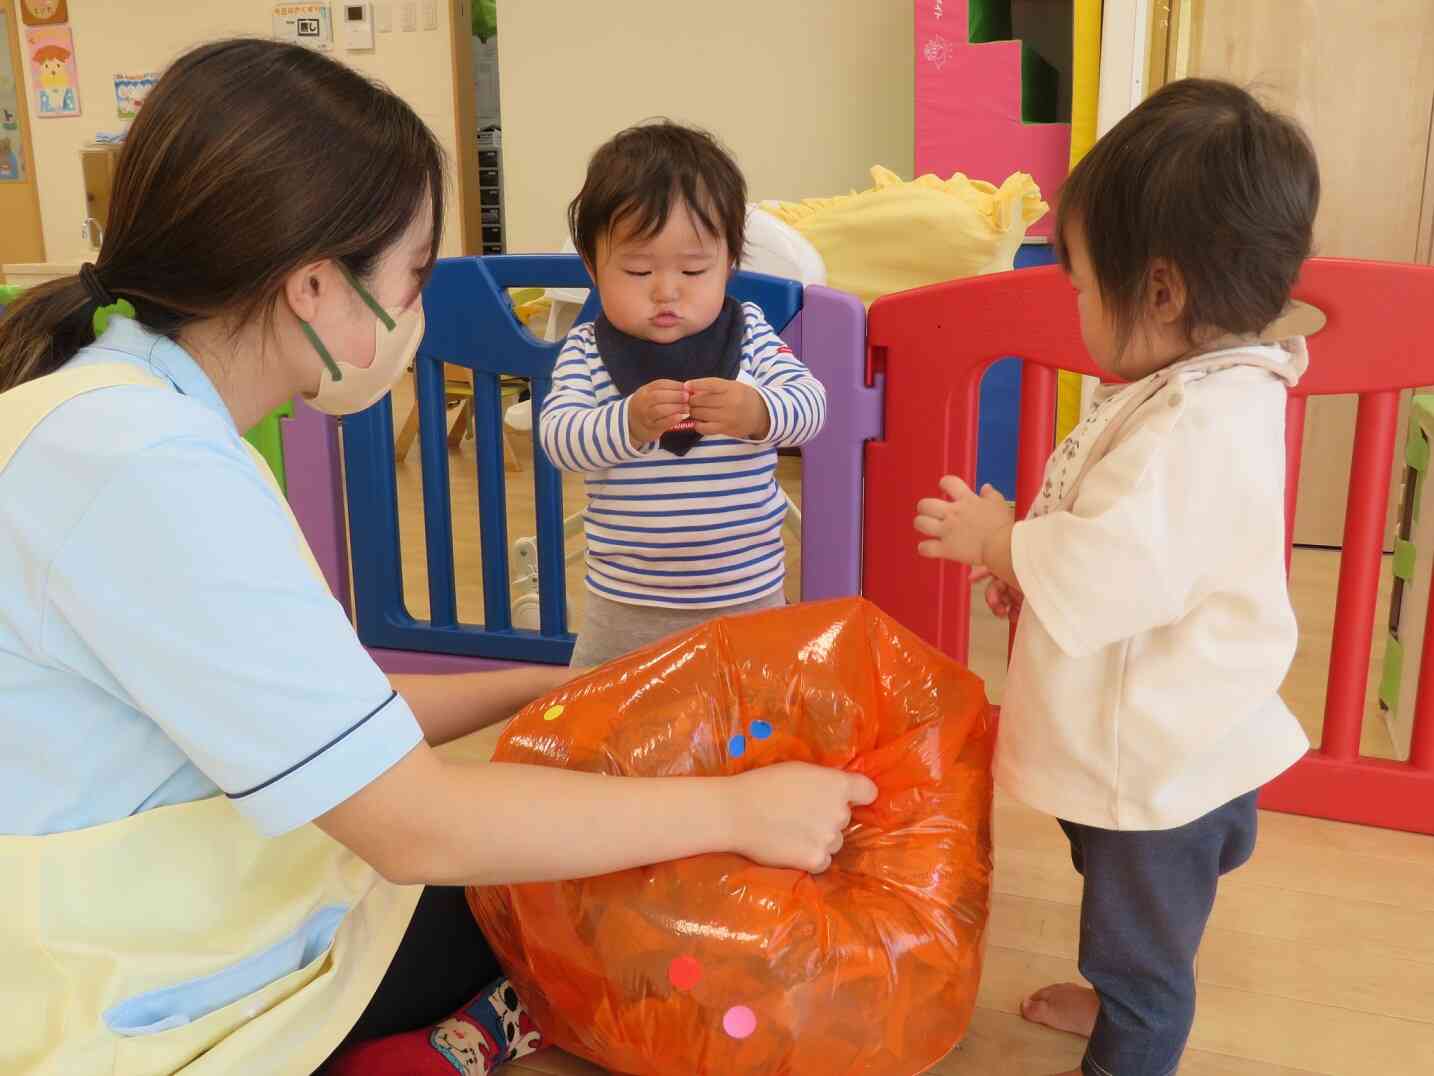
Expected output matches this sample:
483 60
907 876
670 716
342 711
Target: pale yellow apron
96 925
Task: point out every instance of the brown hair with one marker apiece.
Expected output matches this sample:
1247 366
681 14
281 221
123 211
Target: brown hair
1204 176
249 160
644 172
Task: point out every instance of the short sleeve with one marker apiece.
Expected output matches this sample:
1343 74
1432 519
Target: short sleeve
185 580
1129 553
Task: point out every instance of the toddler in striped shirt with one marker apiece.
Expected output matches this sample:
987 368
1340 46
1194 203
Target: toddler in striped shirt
675 400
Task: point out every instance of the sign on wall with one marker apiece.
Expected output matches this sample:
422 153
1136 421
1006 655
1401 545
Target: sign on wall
44 12
304 24
130 92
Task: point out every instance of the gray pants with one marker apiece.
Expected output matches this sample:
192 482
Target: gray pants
611 629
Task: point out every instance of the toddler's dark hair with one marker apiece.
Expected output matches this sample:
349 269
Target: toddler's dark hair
1204 176
642 173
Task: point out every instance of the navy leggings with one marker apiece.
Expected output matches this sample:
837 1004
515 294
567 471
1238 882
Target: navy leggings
1148 896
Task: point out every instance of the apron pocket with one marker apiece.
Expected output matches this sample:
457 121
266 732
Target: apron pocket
167 1052
181 1004
164 1030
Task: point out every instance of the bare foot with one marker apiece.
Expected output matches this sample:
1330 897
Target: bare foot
1065 1007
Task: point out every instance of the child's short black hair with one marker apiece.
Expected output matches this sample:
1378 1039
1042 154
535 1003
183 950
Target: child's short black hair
1204 176
643 172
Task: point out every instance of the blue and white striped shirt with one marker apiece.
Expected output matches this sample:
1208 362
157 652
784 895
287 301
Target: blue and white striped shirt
698 531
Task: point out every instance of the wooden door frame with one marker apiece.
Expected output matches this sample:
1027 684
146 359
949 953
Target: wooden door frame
465 118
1173 26
1144 45
27 147
1124 51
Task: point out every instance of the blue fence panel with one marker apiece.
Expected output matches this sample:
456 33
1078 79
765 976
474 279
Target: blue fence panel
471 323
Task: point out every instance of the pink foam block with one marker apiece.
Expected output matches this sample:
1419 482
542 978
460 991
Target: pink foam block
968 108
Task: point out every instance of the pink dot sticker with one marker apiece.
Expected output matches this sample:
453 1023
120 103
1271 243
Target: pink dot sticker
684 972
739 1022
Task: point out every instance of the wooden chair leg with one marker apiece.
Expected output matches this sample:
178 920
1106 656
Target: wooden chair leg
459 429
511 460
407 434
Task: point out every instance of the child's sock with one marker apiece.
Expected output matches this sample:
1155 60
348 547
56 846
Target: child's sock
491 1029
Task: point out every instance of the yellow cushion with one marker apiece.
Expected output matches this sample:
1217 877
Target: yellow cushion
902 234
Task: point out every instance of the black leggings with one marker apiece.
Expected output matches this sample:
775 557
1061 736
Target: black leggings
441 964
1148 896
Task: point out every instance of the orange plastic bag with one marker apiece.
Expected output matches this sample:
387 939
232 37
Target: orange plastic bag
714 965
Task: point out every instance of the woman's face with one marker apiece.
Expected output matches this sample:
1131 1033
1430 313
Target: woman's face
345 323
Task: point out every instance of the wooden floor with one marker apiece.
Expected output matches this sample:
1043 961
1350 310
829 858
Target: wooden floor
467 554
1320 955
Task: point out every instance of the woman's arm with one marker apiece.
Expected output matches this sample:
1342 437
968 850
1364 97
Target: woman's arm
451 706
440 822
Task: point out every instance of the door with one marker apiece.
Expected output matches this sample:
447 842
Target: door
1360 77
21 239
465 111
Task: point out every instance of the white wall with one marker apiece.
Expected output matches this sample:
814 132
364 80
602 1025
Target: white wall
113 36
808 95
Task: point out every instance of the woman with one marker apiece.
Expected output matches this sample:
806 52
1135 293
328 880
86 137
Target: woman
219 816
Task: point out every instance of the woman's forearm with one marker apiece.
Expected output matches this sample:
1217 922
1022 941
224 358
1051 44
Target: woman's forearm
450 706
443 822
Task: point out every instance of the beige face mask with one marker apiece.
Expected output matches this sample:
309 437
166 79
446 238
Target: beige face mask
345 389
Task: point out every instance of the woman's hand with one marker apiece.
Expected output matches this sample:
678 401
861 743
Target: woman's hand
793 814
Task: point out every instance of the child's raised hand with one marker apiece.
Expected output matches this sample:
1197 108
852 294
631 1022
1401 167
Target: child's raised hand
962 526
654 409
728 409
794 814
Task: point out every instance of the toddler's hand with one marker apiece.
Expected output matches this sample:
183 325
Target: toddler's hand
1002 598
654 409
793 814
728 409
961 526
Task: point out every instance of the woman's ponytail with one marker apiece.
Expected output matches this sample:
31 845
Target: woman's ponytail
42 329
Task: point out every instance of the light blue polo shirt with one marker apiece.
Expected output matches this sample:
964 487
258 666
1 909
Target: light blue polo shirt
162 638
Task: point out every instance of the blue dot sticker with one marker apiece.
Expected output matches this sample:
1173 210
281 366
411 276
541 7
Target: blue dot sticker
738 746
761 730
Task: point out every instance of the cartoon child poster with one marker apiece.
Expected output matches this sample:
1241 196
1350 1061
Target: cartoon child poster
52 67
44 12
